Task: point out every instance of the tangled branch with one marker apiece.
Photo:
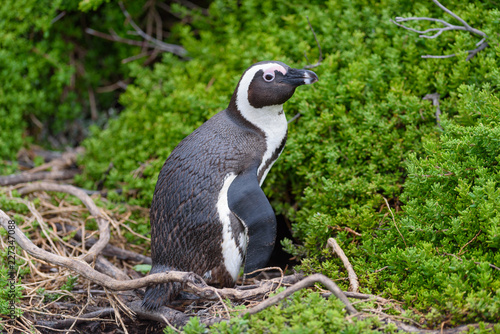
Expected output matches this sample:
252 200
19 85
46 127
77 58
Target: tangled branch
435 32
104 233
148 40
59 168
112 279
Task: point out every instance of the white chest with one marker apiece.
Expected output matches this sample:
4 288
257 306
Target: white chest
275 128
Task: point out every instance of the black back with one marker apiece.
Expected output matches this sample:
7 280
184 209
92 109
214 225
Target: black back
186 233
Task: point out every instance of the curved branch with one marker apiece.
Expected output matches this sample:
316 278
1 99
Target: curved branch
306 282
468 27
175 49
193 281
104 233
481 45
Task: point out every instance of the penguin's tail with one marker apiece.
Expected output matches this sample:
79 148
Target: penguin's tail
161 294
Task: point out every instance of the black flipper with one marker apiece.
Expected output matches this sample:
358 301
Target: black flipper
249 203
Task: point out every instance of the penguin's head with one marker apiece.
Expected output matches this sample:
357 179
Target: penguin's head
266 85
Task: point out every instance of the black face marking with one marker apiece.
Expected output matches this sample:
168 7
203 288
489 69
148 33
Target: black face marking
262 93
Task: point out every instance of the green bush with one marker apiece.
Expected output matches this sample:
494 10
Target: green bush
364 134
451 220
303 312
48 64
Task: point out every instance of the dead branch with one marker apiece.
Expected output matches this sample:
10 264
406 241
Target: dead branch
306 282
120 84
61 166
394 221
116 38
104 266
163 314
169 316
63 161
435 102
104 233
58 17
461 251
109 250
92 316
148 42
294 118
93 103
172 48
353 278
435 32
320 57
25 177
244 292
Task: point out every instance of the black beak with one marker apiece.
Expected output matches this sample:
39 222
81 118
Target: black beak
298 77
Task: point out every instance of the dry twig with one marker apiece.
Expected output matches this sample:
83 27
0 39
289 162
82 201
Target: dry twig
30 177
435 32
60 169
394 221
148 42
172 48
353 278
306 282
435 102
460 252
103 224
320 57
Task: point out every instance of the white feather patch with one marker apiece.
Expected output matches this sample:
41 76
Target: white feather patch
230 251
270 119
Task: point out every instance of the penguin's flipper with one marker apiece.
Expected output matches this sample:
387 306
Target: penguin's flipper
249 203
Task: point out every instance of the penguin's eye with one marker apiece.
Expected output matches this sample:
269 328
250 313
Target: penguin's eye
268 77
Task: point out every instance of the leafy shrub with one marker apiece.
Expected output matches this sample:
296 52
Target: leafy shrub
48 65
364 134
303 312
451 220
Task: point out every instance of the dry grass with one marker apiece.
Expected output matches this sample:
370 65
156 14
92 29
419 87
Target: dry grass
51 224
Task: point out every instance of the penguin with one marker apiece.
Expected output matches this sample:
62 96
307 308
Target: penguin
209 214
